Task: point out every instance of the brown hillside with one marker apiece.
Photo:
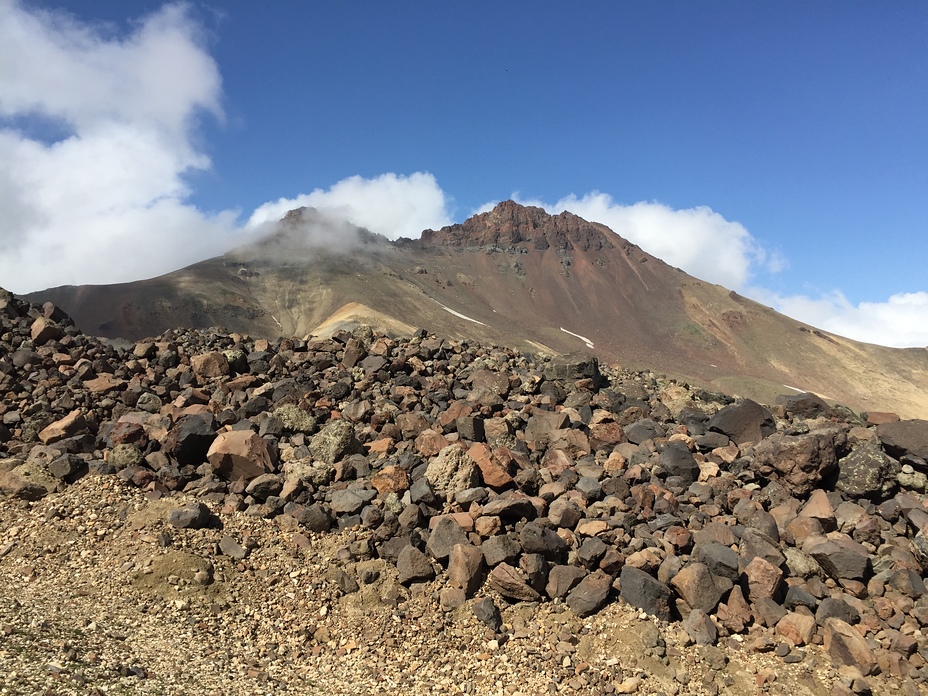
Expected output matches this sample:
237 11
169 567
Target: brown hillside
515 276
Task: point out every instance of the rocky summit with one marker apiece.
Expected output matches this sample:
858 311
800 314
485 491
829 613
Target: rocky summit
208 512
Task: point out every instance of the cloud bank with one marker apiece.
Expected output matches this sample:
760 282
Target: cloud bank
390 204
96 136
900 322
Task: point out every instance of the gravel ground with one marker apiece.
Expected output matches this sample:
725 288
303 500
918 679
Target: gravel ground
98 594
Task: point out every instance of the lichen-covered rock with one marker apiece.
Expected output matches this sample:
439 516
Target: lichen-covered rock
868 472
452 471
334 442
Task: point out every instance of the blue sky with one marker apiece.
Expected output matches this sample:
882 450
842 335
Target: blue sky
778 148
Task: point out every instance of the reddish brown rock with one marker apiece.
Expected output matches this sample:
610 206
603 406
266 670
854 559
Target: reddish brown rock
819 508
492 472
466 568
104 384
508 582
763 579
429 442
799 461
390 479
796 628
846 646
210 365
69 426
42 331
697 587
240 454
880 417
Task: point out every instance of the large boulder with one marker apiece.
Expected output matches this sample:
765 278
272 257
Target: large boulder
867 472
799 462
240 454
573 366
744 422
905 437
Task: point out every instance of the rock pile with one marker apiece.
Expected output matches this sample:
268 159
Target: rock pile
535 478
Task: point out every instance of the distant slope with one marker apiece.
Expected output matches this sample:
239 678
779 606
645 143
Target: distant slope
514 276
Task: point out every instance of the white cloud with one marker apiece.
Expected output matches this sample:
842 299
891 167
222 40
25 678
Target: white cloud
697 240
390 204
106 200
900 322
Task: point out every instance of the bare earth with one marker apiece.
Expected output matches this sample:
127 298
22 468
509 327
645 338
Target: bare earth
98 594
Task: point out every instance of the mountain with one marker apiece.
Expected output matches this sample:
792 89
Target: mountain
514 276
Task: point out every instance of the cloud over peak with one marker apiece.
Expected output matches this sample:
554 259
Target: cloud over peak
391 204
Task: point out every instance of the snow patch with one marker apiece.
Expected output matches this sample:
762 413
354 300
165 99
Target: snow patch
458 314
589 343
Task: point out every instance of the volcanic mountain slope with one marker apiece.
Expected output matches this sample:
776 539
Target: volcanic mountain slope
515 276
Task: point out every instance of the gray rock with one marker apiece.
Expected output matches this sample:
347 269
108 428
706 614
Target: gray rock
644 592
832 607
590 595
641 430
231 548
189 516
444 537
564 513
841 558
562 579
573 366
677 460
721 560
314 517
190 439
413 566
753 544
905 437
744 422
700 628
347 502
536 538
488 614
500 549
264 486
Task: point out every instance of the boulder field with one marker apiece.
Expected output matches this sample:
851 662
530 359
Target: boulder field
501 476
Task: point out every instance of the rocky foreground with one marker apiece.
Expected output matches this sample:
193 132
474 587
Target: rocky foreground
211 513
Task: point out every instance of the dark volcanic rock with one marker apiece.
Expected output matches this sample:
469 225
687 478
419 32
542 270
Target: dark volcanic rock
644 592
867 473
799 462
905 437
190 438
744 422
590 595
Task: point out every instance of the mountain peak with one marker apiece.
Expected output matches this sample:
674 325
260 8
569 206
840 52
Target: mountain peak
511 224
